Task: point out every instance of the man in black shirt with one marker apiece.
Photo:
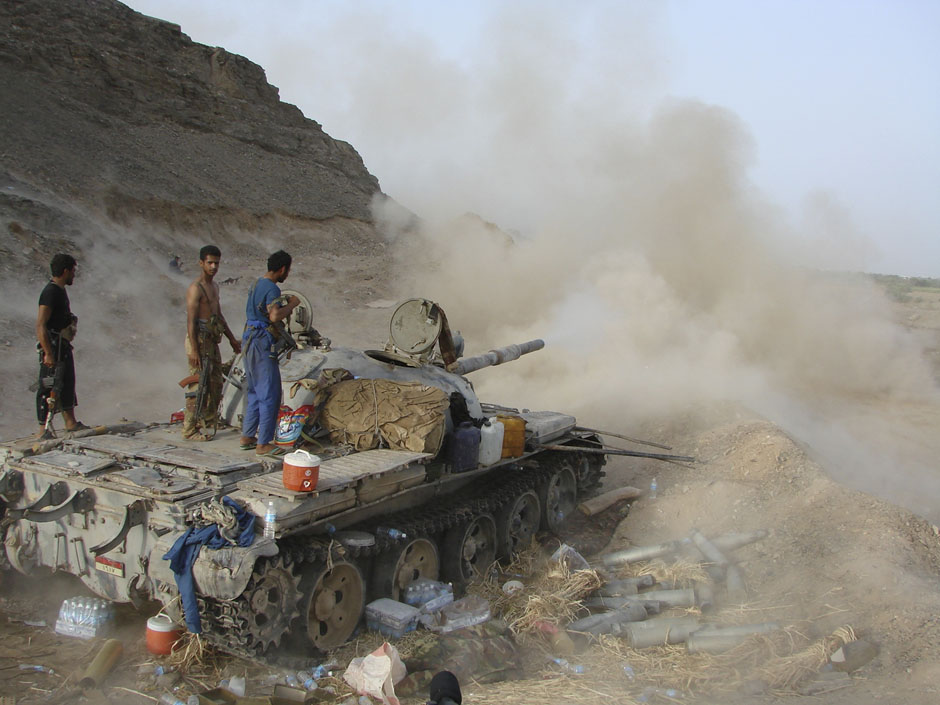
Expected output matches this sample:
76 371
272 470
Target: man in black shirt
55 329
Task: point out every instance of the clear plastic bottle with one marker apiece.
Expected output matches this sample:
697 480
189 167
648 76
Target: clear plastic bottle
649 693
394 534
291 680
168 699
629 672
653 488
571 668
270 520
306 680
321 671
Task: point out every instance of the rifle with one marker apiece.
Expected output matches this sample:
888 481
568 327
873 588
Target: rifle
283 340
203 389
55 391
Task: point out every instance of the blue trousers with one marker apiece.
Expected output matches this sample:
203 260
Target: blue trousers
262 386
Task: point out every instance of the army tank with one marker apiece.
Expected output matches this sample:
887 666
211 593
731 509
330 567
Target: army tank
395 499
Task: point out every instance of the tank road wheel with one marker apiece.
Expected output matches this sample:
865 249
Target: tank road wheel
401 565
516 524
334 598
272 596
559 496
469 549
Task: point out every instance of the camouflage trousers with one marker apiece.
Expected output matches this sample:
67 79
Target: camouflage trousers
206 419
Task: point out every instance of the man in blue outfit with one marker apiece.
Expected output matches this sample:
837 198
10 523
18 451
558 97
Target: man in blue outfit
259 347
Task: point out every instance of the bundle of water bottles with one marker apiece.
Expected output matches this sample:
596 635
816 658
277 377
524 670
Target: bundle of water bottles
85 617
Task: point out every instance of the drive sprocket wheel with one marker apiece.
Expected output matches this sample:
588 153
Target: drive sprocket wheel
333 602
401 565
469 549
558 494
271 599
516 524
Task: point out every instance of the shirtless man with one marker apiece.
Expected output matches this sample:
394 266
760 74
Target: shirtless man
205 326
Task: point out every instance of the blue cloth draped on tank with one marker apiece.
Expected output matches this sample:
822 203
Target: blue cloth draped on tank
184 552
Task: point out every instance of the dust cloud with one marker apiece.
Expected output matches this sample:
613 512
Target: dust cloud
132 320
659 276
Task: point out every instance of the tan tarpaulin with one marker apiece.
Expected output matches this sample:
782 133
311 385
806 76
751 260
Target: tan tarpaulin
367 413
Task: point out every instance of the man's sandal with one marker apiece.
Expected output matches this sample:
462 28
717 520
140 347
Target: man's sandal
249 445
79 426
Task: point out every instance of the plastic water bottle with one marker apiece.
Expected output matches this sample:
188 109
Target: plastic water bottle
321 671
306 680
270 519
393 534
573 668
648 693
291 680
629 672
167 699
653 488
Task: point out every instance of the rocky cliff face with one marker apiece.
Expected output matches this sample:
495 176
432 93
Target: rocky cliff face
113 109
124 143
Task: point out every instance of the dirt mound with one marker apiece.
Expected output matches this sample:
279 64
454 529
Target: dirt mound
834 556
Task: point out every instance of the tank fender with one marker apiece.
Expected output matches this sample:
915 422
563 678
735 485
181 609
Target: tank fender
222 573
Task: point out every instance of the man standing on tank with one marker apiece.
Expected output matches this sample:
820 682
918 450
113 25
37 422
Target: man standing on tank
262 374
55 329
205 326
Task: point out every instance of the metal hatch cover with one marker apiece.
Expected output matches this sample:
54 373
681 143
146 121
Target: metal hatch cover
194 459
149 479
71 463
416 325
127 446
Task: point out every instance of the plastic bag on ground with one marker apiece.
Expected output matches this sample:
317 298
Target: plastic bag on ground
375 675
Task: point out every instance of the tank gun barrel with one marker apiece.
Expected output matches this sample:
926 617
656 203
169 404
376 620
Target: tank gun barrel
497 356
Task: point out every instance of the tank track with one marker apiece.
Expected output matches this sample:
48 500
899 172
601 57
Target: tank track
227 624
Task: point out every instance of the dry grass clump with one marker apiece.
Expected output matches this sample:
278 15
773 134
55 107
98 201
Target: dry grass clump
781 660
192 654
553 689
551 592
682 571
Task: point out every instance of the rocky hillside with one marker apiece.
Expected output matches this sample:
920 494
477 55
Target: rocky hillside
122 112
125 142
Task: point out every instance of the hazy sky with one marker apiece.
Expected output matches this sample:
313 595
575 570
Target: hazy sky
838 100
